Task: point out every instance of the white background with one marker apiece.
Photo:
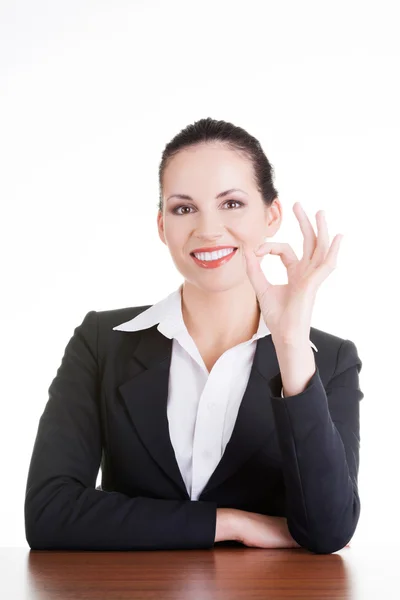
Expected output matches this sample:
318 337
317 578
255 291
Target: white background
91 91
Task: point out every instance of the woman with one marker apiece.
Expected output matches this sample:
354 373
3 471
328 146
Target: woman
218 414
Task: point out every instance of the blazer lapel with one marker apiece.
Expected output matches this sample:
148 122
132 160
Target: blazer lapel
146 393
255 420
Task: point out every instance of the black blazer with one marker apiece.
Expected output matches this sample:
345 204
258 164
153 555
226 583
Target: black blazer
296 457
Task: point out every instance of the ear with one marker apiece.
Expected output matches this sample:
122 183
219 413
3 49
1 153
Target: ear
160 226
274 218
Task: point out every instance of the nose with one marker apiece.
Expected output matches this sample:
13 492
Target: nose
209 237
209 227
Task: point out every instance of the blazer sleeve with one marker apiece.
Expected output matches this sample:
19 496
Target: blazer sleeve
63 508
319 437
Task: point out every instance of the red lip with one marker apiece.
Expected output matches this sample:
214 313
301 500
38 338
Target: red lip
213 264
211 249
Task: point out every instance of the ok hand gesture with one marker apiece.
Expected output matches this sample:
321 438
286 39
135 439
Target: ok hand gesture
287 309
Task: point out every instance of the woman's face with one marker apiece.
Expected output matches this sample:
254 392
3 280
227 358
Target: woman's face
202 172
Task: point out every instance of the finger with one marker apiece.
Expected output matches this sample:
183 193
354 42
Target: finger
322 247
255 273
282 249
331 257
310 239
329 263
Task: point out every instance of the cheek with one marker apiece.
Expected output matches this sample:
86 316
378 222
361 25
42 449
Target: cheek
248 229
174 235
177 244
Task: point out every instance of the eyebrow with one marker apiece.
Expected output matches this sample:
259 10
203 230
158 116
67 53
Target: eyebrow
220 195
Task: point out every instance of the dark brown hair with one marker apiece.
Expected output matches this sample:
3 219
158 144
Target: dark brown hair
235 138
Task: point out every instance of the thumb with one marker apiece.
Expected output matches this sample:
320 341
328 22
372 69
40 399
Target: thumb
254 271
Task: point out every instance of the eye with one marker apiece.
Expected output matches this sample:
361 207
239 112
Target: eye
235 201
175 210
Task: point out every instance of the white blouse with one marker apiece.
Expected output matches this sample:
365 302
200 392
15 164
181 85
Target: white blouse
202 407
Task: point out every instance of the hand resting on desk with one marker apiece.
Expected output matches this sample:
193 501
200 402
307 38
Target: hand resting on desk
253 529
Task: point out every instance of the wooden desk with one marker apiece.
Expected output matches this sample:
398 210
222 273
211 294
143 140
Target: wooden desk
221 573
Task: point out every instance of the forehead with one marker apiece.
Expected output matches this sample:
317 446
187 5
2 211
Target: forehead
207 166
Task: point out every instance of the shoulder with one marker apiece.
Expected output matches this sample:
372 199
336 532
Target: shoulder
100 323
107 319
338 352
96 332
326 342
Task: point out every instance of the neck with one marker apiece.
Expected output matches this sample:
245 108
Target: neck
223 318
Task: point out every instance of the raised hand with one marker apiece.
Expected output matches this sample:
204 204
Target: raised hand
287 309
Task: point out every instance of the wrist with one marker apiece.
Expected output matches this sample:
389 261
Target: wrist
292 343
226 528
296 365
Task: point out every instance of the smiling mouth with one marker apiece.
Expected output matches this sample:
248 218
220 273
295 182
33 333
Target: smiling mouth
213 264
233 247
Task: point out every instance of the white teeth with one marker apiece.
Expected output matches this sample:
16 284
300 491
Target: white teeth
213 255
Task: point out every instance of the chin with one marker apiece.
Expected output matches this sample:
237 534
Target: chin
213 284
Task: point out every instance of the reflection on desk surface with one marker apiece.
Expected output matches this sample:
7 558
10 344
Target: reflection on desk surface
222 572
